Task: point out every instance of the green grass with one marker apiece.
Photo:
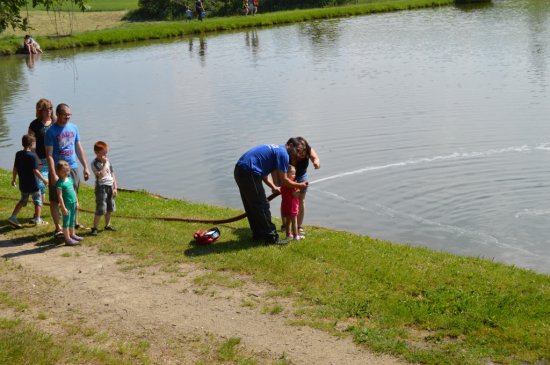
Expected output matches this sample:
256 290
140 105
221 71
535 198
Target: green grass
100 5
158 30
424 306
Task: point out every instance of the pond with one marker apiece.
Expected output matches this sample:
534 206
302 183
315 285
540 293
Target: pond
432 125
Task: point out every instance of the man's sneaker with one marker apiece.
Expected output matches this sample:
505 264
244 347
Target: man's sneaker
58 234
279 242
110 228
94 231
301 230
14 222
77 238
71 242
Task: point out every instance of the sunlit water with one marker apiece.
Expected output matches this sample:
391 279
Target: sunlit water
432 125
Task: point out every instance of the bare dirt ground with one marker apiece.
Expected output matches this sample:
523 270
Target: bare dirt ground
76 287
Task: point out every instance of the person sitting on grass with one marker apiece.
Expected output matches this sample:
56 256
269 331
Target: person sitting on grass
68 201
31 46
26 167
105 187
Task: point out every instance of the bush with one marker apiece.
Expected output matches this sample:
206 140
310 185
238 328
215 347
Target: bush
175 9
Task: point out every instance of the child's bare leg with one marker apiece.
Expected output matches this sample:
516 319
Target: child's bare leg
67 234
294 226
286 222
71 231
97 218
37 211
107 219
16 210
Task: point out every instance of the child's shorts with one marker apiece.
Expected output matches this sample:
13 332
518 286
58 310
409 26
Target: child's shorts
104 200
44 172
36 198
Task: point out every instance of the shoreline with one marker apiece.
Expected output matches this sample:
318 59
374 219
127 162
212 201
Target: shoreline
142 31
393 299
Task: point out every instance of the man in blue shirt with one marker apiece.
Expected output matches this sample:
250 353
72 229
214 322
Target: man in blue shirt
253 168
62 142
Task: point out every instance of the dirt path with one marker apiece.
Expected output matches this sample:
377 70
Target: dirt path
169 311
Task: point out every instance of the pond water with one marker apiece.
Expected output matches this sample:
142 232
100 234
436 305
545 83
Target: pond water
432 125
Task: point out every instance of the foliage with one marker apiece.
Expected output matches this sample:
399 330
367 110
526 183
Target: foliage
158 30
10 11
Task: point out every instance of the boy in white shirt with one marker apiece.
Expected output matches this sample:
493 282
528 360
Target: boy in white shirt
105 187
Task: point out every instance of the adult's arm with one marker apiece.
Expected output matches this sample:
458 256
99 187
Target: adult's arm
315 159
82 157
51 163
281 176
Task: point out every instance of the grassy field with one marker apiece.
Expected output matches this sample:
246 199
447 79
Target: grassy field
126 32
104 5
423 306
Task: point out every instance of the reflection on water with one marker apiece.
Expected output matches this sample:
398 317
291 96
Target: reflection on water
201 50
11 85
436 138
538 14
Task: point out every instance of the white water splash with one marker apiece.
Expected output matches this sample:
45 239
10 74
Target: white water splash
532 212
452 156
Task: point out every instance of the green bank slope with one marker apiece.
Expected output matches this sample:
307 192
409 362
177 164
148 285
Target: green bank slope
424 306
132 32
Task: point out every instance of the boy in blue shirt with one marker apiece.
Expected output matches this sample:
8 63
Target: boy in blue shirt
253 168
26 167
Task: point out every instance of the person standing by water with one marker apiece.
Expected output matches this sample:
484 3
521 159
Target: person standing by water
37 129
307 154
199 8
26 167
251 7
251 170
63 143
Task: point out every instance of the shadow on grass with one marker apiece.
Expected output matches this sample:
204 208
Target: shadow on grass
40 246
244 242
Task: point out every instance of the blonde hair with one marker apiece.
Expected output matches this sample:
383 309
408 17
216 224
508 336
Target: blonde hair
41 105
61 165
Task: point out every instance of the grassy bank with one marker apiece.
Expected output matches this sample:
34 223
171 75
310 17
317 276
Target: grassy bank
157 30
427 307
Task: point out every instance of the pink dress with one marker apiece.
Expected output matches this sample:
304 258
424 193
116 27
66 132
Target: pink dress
290 205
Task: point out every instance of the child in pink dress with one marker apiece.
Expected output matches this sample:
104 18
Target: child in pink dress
290 205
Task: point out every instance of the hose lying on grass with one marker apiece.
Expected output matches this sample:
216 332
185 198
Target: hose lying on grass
177 219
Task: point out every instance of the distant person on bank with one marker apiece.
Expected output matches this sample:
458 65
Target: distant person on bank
63 144
252 171
31 46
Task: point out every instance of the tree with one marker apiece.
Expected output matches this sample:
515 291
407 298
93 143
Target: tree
10 11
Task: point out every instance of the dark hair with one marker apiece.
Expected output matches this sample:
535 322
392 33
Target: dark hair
61 106
297 141
27 140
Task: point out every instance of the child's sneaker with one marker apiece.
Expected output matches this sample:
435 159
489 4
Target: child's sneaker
298 237
38 221
77 238
94 231
288 236
71 242
14 222
110 228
